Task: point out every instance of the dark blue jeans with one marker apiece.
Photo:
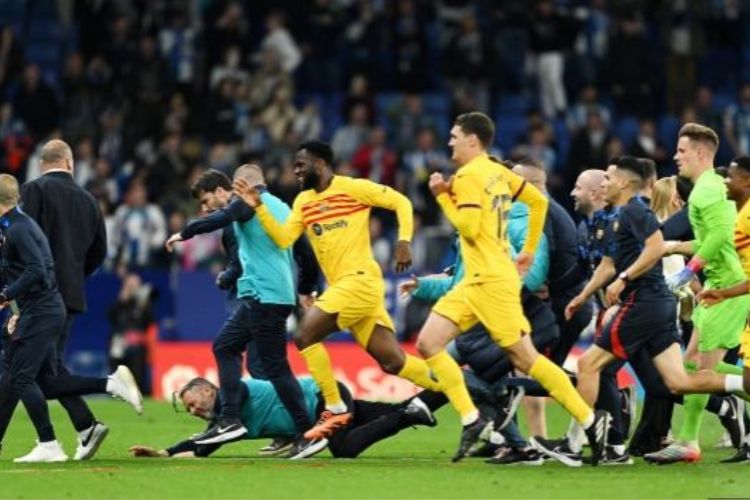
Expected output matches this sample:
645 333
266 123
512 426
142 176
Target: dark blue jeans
265 325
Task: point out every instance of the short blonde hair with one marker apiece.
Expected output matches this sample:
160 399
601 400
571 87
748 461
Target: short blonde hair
701 134
663 193
8 190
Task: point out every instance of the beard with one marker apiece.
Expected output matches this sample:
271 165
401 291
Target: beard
310 180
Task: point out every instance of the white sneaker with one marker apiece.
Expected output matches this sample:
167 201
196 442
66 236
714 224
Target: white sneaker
89 441
51 451
122 384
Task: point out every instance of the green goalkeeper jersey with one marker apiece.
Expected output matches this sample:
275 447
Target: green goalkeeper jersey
712 218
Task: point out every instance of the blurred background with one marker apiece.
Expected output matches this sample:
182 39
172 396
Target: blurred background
151 93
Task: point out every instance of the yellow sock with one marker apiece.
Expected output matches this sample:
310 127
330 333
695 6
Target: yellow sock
319 365
452 384
553 378
416 370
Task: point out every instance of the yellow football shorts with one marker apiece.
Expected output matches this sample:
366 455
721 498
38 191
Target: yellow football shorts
497 305
359 302
745 346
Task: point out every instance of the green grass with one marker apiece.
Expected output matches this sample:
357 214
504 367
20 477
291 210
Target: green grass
414 464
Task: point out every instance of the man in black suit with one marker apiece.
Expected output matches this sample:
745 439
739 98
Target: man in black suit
71 220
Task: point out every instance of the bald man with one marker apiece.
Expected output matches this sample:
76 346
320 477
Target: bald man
70 218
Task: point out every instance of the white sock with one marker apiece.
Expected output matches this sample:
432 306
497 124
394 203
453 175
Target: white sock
337 408
576 437
496 438
588 421
470 418
724 408
733 383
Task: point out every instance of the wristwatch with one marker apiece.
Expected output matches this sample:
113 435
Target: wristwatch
623 276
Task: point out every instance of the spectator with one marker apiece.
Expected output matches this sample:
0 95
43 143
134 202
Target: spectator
648 145
11 58
588 147
550 35
418 164
409 47
706 113
405 119
221 117
36 104
588 99
81 105
131 316
321 48
266 79
307 124
737 122
364 36
178 114
120 52
465 62
279 41
111 139
630 68
229 30
139 229
177 44
230 70
279 116
167 175
84 161
15 142
101 184
147 90
347 139
375 160
359 93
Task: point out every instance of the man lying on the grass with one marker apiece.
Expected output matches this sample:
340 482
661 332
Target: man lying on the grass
266 417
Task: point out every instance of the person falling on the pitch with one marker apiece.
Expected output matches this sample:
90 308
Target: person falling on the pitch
266 417
717 329
335 212
477 202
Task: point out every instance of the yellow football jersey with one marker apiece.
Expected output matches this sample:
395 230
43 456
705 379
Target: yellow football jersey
337 222
478 206
742 237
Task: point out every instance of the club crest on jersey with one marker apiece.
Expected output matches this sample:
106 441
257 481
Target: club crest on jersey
599 234
616 225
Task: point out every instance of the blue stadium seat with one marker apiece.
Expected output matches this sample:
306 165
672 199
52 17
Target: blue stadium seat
12 11
44 54
436 103
45 30
509 130
626 128
514 103
562 138
667 130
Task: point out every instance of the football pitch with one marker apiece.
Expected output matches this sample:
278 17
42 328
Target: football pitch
414 464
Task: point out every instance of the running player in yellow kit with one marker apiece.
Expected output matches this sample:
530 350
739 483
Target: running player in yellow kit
476 201
335 212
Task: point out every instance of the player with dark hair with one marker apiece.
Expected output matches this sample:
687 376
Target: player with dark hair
267 296
335 211
477 202
646 319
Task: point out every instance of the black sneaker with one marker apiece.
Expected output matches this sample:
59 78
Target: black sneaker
733 420
304 448
597 435
225 431
469 435
484 449
278 446
612 457
417 413
742 455
507 406
557 449
509 455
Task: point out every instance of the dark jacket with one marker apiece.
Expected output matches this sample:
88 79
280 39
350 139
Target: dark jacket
28 272
71 220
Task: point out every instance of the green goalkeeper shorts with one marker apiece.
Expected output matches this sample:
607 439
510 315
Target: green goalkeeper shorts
721 326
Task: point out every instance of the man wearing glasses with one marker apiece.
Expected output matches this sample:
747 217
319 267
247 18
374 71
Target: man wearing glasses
265 416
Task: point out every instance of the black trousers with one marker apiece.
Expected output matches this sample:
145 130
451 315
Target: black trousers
22 355
265 325
78 411
29 353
